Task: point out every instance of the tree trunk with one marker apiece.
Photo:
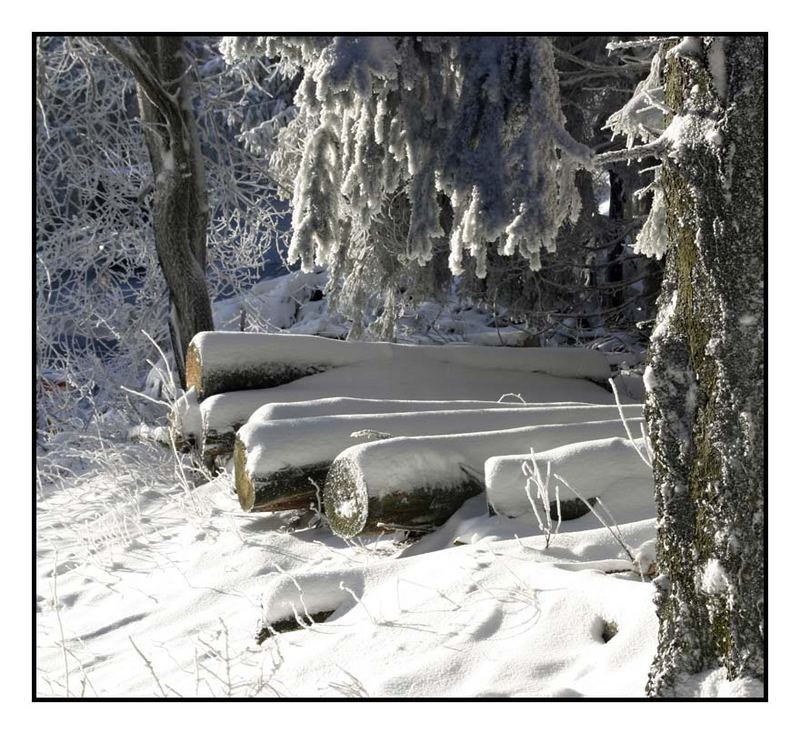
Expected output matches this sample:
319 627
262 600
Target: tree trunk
181 203
180 208
705 405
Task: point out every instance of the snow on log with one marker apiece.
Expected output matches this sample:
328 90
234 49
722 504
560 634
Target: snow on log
274 460
218 362
224 414
596 468
420 481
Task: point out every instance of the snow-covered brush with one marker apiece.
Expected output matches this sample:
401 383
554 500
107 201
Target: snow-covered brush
99 285
608 522
540 503
647 455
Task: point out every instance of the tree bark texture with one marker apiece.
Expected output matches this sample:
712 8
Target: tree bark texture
180 207
705 405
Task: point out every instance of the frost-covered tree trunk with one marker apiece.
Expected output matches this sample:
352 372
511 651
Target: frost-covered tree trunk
705 405
180 209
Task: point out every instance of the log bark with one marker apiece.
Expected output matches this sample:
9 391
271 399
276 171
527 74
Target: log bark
417 482
210 377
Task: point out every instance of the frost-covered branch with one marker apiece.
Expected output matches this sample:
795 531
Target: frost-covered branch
657 149
467 129
99 283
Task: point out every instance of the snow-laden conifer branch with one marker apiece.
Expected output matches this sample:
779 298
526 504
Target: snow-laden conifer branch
463 125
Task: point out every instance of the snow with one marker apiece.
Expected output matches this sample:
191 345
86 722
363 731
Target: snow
717 65
653 238
609 468
715 684
355 406
188 579
690 47
186 416
226 411
252 351
277 444
454 626
714 580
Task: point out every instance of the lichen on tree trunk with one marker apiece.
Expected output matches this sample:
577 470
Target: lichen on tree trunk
706 401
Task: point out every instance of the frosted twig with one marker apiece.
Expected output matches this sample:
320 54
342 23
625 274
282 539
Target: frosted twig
149 667
534 476
657 148
358 601
617 536
641 43
516 395
625 424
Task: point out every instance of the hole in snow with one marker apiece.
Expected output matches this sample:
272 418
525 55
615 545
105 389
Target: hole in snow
608 630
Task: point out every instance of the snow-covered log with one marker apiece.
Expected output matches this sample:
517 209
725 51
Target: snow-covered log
224 414
420 481
594 468
225 361
273 460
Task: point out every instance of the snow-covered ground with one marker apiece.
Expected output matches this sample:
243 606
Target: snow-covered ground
152 582
151 588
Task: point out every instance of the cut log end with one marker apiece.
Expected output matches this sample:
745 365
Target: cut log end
288 489
572 509
345 499
194 370
351 510
244 486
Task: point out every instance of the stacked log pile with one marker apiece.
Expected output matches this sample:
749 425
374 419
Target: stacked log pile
385 436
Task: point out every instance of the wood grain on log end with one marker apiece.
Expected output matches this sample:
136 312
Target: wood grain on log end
288 489
351 510
194 371
244 486
345 499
